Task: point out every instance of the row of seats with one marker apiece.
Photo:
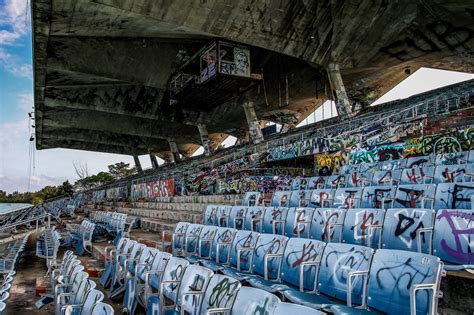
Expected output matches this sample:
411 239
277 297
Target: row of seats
9 262
6 284
324 276
74 292
47 246
112 223
171 285
416 230
81 236
14 218
431 196
64 206
355 178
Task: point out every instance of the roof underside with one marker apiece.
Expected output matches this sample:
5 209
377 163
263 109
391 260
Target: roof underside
102 67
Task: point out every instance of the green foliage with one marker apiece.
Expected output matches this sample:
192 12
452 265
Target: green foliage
121 170
38 197
89 182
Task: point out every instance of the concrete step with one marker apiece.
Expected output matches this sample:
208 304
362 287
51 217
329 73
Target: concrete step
170 215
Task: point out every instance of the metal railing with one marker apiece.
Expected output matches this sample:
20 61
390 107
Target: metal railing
22 222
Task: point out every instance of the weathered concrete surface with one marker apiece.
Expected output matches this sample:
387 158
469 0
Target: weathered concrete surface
102 67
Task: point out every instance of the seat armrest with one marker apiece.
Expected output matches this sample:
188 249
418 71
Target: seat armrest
352 275
316 263
265 264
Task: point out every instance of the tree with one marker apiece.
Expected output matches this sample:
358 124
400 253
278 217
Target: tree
121 170
67 188
82 171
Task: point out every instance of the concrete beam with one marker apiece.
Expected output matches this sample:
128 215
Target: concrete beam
174 150
254 127
154 161
206 143
343 105
138 165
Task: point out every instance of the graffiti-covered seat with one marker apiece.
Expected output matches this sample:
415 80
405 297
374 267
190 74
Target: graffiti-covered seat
327 224
217 215
237 217
420 161
454 196
281 199
369 167
169 284
321 198
124 264
183 297
191 240
299 183
300 263
221 248
408 229
359 179
452 238
452 158
390 177
204 244
454 173
254 218
417 175
174 240
252 198
300 198
241 254
415 196
274 220
379 197
316 182
391 165
349 168
337 264
363 226
399 282
268 256
209 217
220 295
347 198
336 181
298 222
254 301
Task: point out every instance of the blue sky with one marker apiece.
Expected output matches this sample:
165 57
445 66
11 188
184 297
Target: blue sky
54 166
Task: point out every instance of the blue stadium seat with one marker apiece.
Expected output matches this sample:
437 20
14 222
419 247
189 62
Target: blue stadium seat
378 197
204 243
417 175
327 224
399 282
299 183
220 294
298 222
300 198
237 217
347 198
336 181
252 198
391 165
363 226
452 238
455 173
408 229
454 196
322 198
241 254
281 199
193 285
210 217
415 196
254 301
222 215
452 158
274 220
254 218
391 177
420 161
359 179
268 254
316 182
221 248
369 167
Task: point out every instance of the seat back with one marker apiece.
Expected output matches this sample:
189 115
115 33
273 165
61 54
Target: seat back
246 239
159 263
237 217
337 262
254 218
452 158
336 181
400 229
378 197
299 183
415 196
455 173
210 217
274 220
145 261
362 226
316 182
252 198
393 273
174 271
281 199
300 198
322 198
222 215
327 223
195 279
269 244
92 298
347 198
179 235
454 196
393 164
298 266
359 179
417 175
220 293
192 239
80 295
101 308
453 234
206 238
420 161
298 222
223 239
254 301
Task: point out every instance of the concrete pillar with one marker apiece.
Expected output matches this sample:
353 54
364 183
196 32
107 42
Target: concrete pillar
174 151
138 165
254 127
206 143
154 161
343 104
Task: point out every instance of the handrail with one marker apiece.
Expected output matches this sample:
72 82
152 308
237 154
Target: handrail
37 218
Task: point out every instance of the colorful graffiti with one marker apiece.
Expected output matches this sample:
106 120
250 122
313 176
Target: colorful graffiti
333 161
154 189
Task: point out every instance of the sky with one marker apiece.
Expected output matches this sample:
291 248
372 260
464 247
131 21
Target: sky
53 166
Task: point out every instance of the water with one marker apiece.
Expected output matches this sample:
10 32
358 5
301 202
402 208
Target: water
8 207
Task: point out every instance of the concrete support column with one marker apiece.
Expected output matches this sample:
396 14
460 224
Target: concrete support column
138 165
206 143
154 161
343 104
254 127
174 150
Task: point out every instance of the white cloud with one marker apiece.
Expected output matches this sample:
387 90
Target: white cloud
11 64
14 20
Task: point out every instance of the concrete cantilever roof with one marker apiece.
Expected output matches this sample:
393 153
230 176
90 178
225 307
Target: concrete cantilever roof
101 67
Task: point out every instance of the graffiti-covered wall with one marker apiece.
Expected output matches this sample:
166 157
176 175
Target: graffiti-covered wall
153 189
